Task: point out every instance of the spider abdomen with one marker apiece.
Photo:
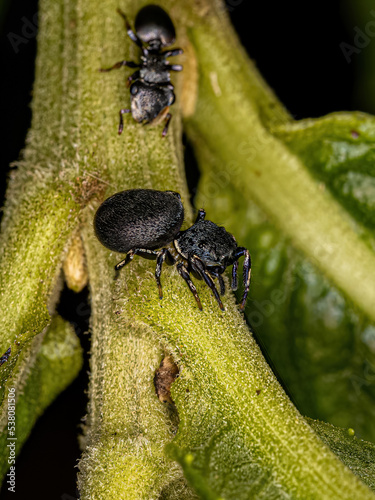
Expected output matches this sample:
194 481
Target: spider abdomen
139 218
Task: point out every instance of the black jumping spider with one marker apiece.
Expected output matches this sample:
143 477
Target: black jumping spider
142 221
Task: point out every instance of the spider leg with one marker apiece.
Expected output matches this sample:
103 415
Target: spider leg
130 256
198 266
246 273
159 264
234 284
217 275
221 283
119 64
201 215
184 273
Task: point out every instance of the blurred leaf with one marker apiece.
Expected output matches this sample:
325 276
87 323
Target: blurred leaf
57 364
340 150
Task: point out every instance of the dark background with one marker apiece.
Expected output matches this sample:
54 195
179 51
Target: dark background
296 48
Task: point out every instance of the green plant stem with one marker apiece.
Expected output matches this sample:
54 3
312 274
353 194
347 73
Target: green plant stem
42 207
127 426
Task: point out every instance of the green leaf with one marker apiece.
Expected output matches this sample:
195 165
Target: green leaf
297 195
356 454
340 150
206 469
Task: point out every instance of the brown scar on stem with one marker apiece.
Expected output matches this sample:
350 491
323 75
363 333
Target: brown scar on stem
164 377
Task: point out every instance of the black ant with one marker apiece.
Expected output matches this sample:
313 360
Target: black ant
151 92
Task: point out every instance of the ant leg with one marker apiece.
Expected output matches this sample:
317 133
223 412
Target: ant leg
168 118
198 266
119 64
132 77
121 124
184 273
246 273
130 32
201 215
174 67
172 53
159 263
